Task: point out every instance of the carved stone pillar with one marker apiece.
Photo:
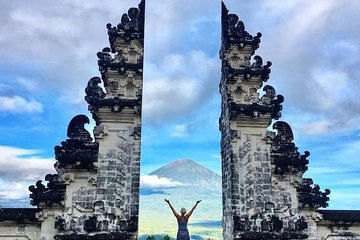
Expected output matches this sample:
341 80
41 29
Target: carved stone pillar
117 113
97 184
246 164
261 170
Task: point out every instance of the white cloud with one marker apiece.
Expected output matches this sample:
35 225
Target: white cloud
18 164
317 128
11 190
18 104
179 131
60 48
29 84
277 7
20 168
179 85
34 23
304 23
164 98
325 80
153 181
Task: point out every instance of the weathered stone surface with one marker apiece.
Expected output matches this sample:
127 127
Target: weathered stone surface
258 202
233 32
95 194
19 223
19 215
108 199
284 153
264 194
312 197
79 151
54 193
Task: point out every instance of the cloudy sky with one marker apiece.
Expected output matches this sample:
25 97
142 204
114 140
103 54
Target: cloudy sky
48 53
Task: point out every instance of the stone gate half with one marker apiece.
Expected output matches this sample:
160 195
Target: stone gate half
264 193
95 193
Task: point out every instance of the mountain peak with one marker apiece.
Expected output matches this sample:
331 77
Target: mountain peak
189 172
182 163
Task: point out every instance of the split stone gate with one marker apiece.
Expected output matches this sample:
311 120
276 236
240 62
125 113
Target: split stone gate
95 193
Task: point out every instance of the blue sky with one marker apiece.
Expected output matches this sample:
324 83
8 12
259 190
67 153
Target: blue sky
48 53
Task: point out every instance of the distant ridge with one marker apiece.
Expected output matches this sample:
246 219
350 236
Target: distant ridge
189 172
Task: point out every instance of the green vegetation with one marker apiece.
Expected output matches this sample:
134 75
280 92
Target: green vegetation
166 237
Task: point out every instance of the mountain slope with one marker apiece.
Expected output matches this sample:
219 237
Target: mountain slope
189 172
200 183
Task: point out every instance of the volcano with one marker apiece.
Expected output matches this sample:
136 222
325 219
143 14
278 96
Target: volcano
198 183
190 173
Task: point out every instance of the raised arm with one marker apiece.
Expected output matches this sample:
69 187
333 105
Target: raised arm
187 216
172 209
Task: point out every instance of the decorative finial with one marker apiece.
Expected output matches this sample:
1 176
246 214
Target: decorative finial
76 129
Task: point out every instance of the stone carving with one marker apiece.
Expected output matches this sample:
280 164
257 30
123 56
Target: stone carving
129 86
268 227
118 162
90 224
19 215
298 224
60 224
284 153
54 193
100 236
124 61
130 28
311 196
76 129
245 148
136 133
93 91
244 98
238 60
271 224
132 54
105 59
115 182
269 96
100 131
117 105
258 64
345 235
83 199
234 69
233 31
79 151
256 198
256 110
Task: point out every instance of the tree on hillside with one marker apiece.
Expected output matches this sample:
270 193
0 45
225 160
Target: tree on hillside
150 238
166 237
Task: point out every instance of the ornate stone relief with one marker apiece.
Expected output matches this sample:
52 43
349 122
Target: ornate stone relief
311 196
78 151
284 153
267 201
